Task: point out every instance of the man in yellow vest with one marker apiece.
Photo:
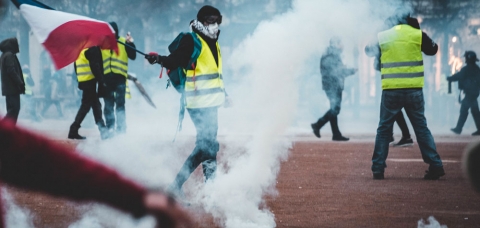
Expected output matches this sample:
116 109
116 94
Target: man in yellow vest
89 70
115 69
204 91
400 48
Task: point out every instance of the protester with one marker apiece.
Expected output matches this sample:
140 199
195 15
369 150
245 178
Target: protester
333 73
115 68
400 50
12 77
204 90
89 71
52 95
469 81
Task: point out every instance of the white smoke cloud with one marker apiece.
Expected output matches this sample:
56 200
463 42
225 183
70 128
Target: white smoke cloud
267 68
432 223
15 216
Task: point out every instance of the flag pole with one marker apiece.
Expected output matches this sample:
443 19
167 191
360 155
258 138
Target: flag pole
126 45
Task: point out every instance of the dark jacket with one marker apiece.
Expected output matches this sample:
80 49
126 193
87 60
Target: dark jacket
468 79
12 76
332 69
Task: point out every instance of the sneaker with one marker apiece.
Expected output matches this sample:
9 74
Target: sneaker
378 176
340 138
392 141
456 131
404 142
476 133
316 130
434 173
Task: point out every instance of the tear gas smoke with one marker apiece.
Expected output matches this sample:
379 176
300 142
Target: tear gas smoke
14 215
432 223
266 72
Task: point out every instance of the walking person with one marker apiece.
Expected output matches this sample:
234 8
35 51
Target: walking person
469 81
29 100
204 91
333 73
400 49
89 70
13 83
52 95
115 69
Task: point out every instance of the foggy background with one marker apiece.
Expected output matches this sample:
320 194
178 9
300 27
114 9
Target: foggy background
271 51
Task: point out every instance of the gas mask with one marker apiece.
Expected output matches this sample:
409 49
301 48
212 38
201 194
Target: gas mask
212 30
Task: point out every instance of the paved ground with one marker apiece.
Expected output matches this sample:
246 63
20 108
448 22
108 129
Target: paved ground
329 184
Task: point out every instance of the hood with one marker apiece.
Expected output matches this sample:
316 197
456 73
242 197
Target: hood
9 45
115 27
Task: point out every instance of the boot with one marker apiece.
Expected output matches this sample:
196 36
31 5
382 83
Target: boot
73 133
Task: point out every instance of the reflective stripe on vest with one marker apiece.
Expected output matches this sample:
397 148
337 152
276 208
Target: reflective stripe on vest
84 73
204 84
28 89
112 62
402 60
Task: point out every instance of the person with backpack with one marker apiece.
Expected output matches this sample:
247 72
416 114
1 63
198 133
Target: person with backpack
202 89
469 81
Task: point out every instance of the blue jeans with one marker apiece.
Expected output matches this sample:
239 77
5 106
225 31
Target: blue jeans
206 146
414 105
114 99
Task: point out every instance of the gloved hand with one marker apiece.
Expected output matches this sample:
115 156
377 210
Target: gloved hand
129 38
152 57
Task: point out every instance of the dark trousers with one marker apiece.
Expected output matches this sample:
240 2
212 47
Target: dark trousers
49 102
114 99
469 102
89 100
335 98
412 101
402 124
206 145
13 107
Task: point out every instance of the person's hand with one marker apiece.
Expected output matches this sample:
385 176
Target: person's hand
152 57
129 38
228 102
167 211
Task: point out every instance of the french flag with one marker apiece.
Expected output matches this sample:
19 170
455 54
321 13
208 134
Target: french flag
65 35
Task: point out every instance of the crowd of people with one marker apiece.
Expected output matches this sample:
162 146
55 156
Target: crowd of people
103 74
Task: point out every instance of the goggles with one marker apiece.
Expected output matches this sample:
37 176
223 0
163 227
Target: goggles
213 19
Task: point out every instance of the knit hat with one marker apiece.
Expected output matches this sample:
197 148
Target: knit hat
206 11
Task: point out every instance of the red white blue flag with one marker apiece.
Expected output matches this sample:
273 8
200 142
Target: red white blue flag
65 35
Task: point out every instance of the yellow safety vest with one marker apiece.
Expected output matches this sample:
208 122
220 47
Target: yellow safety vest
28 89
402 60
116 63
204 84
84 73
128 95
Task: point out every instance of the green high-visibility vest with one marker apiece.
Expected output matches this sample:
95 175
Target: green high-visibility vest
84 73
402 60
